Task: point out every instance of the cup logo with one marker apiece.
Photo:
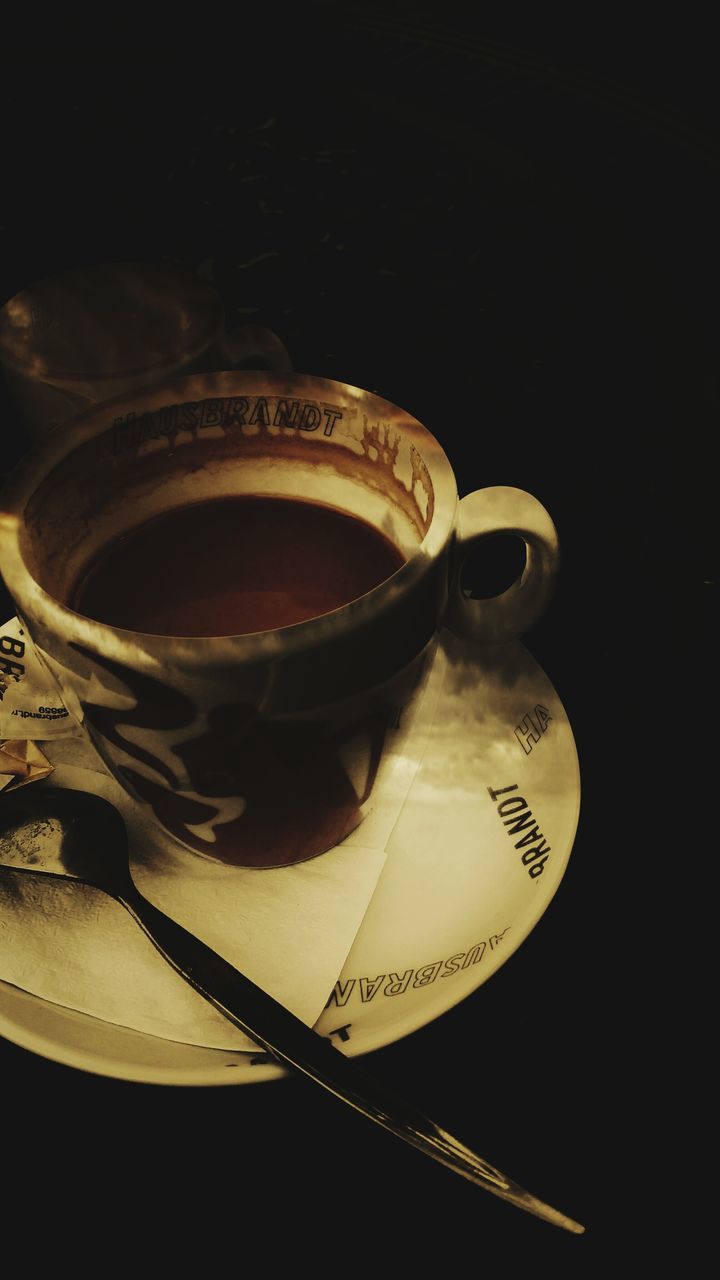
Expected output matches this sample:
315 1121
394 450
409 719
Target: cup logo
251 412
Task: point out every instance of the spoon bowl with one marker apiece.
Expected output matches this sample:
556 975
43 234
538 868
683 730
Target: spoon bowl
65 833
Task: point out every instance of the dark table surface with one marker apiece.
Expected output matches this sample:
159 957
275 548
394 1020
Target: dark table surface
512 237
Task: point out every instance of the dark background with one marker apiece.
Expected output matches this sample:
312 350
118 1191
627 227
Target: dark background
512 233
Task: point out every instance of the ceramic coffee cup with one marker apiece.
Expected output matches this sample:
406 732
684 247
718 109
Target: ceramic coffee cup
259 749
94 333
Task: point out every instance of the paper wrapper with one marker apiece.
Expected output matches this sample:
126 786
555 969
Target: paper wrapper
288 929
21 762
30 705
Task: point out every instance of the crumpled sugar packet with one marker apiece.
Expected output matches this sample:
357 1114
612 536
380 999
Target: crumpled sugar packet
30 705
21 762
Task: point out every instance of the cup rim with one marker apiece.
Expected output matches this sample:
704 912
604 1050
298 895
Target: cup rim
192 651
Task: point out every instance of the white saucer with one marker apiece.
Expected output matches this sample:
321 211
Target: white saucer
455 898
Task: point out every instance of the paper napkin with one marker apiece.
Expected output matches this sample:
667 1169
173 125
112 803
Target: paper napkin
288 929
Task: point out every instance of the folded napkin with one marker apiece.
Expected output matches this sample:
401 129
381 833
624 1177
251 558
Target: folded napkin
288 929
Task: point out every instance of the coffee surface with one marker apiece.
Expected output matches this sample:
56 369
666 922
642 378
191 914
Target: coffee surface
233 566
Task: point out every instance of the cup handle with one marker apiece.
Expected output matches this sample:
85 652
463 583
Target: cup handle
252 346
505 617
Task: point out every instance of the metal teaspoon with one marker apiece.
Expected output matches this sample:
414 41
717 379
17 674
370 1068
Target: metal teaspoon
81 837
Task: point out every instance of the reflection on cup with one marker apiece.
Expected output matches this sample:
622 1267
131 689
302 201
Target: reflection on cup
236 579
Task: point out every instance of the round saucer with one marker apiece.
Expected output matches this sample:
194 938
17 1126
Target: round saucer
476 854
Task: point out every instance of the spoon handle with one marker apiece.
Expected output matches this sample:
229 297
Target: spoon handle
296 1046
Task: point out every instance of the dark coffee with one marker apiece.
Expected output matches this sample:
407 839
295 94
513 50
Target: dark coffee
232 566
